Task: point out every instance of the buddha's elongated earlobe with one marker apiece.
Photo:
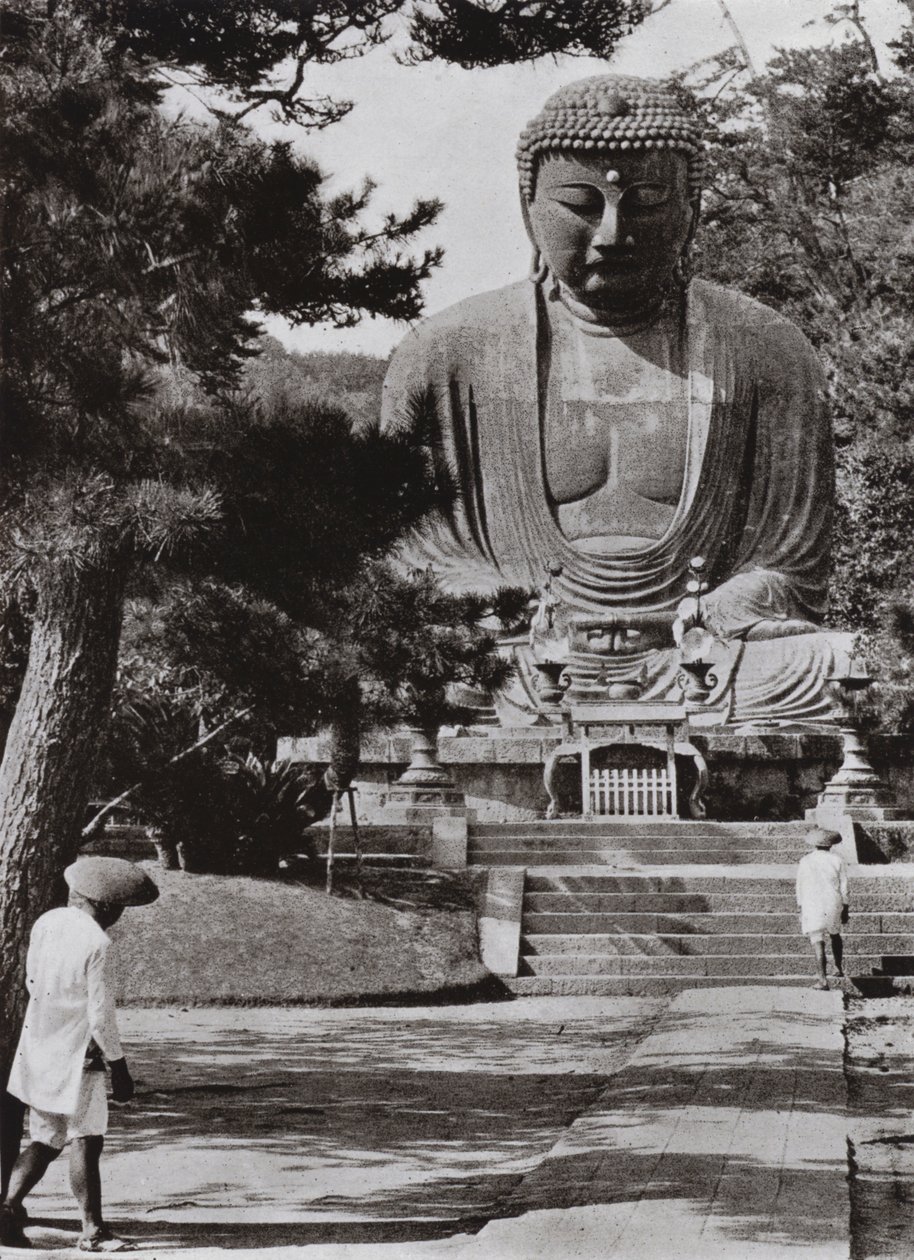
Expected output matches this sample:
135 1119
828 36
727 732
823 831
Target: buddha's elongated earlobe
539 269
682 272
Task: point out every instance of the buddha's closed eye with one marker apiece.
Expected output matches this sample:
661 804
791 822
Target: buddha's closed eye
645 196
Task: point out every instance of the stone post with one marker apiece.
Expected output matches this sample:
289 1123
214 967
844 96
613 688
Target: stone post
426 794
855 790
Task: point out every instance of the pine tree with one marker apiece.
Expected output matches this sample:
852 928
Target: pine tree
133 239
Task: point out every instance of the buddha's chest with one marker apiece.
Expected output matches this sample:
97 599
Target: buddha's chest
616 417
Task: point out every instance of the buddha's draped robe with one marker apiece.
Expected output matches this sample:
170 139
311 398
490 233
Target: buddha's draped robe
757 493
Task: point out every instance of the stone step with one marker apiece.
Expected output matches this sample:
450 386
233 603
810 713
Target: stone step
564 828
616 857
882 882
687 843
636 902
799 964
691 902
700 924
539 881
640 986
736 943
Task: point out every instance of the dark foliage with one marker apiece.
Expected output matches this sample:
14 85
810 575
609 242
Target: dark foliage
239 46
809 209
305 500
485 34
410 643
234 814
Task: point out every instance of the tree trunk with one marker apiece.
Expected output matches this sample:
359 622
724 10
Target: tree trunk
47 765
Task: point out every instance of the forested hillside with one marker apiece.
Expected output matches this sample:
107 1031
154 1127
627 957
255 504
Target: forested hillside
349 381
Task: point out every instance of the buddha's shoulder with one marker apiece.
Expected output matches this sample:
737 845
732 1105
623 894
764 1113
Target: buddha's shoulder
501 308
745 317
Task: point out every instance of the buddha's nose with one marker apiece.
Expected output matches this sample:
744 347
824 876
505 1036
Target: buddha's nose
607 235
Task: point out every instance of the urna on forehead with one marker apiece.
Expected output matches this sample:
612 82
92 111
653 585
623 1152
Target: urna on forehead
610 114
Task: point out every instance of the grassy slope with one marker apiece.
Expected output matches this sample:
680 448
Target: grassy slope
219 940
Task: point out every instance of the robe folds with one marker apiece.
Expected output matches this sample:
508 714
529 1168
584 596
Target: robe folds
756 499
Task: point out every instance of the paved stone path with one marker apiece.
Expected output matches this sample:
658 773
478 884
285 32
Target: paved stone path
256 1128
709 1126
725 1136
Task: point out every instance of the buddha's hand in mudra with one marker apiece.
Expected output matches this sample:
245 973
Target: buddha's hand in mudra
622 633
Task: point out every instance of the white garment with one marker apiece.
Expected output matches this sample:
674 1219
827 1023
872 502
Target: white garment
90 1119
71 1001
821 891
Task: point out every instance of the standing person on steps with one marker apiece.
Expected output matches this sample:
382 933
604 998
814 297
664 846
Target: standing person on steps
69 1033
823 900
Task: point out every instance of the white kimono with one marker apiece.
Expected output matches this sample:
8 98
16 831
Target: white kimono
821 891
71 1001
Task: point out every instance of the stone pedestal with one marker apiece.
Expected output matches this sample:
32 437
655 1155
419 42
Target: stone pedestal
425 782
856 791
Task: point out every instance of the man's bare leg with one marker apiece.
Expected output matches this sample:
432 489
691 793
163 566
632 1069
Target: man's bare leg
28 1170
818 949
12 1114
86 1181
837 949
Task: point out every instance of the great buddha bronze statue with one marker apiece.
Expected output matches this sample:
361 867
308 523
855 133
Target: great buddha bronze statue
612 418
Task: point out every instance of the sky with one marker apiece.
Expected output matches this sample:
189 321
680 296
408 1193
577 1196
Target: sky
439 131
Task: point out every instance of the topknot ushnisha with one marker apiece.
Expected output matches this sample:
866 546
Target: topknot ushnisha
608 113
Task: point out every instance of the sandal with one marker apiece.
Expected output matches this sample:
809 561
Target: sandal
104 1240
821 984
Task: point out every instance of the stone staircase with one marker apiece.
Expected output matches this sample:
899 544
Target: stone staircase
655 906
662 842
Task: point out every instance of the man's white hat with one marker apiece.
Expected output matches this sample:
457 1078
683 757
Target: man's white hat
819 838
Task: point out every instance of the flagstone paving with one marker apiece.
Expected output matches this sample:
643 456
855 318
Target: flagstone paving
710 1126
725 1136
265 1127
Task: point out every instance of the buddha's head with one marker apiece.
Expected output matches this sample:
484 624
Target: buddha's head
610 176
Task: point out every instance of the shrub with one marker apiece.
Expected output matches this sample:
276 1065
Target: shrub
236 814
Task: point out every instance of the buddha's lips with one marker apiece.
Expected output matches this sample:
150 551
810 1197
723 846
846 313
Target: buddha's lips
611 263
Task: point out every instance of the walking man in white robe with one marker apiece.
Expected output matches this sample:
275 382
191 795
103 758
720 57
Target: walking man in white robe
69 1034
823 900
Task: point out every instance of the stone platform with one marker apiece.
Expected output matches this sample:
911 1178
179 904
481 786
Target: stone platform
770 775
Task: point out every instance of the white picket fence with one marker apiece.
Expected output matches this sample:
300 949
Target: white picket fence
632 792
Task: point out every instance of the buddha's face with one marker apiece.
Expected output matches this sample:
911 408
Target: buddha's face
612 227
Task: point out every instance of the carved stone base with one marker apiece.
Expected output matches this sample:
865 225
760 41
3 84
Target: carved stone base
856 790
425 782
414 795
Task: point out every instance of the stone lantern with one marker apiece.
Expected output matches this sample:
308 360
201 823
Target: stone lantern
855 790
